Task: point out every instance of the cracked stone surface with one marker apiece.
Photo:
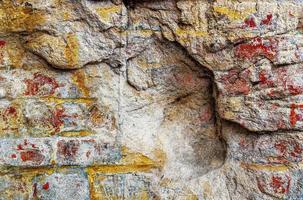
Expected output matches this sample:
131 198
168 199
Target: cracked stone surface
158 99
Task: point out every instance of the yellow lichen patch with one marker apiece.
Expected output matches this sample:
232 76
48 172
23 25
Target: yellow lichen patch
137 159
15 53
91 179
265 167
79 78
16 18
66 15
71 100
235 104
119 169
75 133
28 171
58 2
100 116
97 117
105 13
131 162
39 41
229 115
160 156
191 197
233 14
71 51
185 35
59 52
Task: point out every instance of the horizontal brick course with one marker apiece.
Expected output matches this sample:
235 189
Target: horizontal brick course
33 152
48 117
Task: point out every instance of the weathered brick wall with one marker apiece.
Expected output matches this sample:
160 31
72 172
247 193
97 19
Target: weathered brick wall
163 99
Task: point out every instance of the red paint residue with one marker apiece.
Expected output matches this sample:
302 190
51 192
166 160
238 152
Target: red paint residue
261 185
273 93
187 80
284 79
262 77
243 143
9 115
28 154
281 146
88 154
294 90
10 111
293 116
25 145
57 120
14 156
257 47
289 150
275 185
45 186
281 124
206 114
40 82
264 80
58 117
32 155
2 43
240 86
235 83
279 185
250 22
68 149
267 20
297 150
19 147
35 190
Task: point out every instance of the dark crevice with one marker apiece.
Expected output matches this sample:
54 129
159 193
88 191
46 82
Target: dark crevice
132 4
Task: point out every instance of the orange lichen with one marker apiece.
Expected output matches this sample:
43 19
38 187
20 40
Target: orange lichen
71 50
17 18
265 167
70 100
79 78
75 133
105 13
16 53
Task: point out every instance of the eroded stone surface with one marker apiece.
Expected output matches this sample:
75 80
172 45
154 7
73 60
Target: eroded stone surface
166 99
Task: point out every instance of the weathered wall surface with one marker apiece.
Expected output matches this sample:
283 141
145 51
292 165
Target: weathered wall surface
159 99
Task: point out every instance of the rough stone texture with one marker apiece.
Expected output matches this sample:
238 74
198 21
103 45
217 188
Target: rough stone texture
158 99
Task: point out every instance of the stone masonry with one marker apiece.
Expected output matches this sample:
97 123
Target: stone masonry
151 99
